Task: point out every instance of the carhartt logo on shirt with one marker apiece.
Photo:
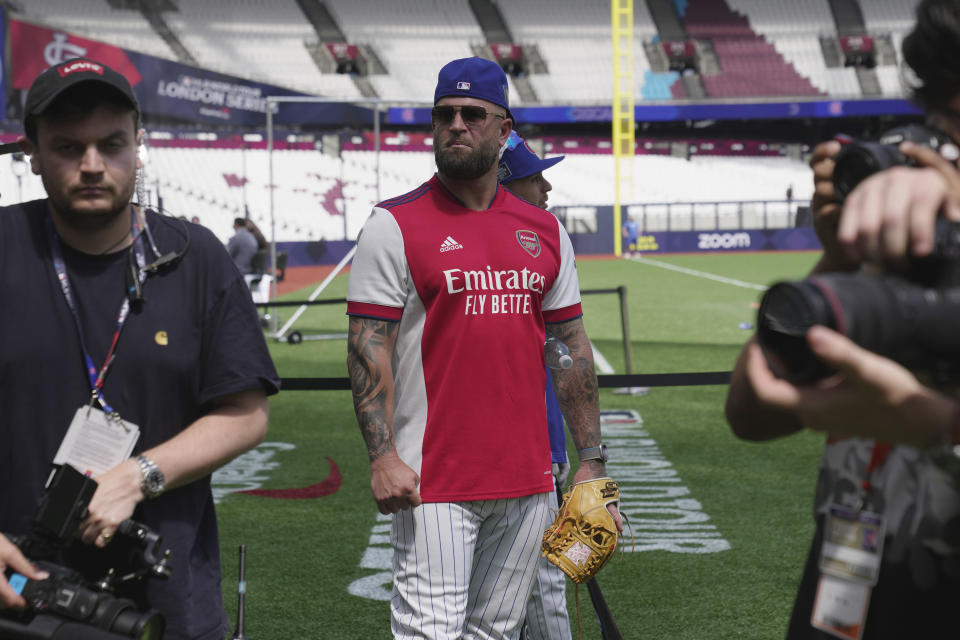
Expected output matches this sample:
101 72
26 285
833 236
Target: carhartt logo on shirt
160 337
449 245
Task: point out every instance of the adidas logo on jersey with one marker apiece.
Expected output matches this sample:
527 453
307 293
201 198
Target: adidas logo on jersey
449 245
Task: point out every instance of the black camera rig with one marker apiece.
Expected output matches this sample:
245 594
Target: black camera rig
859 159
65 605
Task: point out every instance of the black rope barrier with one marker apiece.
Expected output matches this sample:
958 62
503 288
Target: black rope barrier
298 303
605 381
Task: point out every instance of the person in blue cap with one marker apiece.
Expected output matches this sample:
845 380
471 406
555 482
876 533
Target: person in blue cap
521 171
450 292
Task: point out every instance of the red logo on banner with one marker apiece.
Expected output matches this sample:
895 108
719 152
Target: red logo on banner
34 49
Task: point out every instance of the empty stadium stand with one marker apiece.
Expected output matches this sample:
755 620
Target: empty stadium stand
744 48
97 20
737 49
750 65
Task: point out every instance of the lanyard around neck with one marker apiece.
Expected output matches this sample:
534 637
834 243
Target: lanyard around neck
60 267
878 455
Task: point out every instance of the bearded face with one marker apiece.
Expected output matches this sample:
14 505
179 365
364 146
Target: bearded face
460 160
466 151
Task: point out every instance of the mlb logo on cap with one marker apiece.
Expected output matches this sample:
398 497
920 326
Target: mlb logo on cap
473 78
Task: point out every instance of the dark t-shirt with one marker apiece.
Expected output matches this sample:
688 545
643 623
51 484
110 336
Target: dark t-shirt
918 586
898 607
196 338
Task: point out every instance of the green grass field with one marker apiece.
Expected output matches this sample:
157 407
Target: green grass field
304 556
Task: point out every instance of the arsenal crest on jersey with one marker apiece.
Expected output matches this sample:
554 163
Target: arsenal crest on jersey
529 241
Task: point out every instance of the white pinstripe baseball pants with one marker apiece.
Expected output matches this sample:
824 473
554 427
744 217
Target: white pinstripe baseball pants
547 617
465 569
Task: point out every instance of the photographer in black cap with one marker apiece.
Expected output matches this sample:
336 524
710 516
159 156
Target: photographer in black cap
884 559
129 349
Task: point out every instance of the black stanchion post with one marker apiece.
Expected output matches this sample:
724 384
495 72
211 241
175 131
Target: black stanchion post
240 633
625 328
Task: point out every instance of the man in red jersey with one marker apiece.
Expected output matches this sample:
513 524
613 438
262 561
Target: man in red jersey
449 293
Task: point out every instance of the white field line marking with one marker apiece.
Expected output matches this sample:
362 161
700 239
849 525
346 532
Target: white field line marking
700 274
600 362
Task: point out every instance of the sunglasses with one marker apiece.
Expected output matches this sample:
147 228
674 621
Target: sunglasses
472 116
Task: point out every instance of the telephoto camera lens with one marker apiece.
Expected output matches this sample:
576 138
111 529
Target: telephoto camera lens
889 315
787 312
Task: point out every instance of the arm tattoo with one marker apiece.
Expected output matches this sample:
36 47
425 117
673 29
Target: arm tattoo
369 350
576 387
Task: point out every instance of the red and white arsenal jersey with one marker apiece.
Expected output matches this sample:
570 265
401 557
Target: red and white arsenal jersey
471 291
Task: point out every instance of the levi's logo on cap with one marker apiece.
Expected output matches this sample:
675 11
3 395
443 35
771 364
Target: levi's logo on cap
80 65
465 86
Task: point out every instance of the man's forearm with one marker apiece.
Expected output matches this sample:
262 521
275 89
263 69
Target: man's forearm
369 349
236 424
576 387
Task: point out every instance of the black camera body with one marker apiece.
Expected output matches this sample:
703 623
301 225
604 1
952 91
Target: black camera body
910 317
65 605
859 159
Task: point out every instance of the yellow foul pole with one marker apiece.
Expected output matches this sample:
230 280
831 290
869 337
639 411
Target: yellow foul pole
624 127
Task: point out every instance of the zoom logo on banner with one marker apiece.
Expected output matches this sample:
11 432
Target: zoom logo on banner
739 240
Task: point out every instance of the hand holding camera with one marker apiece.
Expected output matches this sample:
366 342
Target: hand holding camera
872 396
59 600
118 492
11 558
890 204
892 192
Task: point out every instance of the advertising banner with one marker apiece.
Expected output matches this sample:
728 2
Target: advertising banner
741 110
591 232
171 89
792 239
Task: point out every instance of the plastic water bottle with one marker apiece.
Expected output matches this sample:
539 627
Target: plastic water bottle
556 354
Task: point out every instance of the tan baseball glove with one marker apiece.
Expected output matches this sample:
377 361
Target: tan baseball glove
583 536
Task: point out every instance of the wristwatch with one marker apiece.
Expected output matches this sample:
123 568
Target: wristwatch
152 483
594 453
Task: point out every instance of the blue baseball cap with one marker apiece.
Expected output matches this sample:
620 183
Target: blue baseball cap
519 160
473 78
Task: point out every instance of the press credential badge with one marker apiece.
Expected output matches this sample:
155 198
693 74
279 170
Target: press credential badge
850 567
96 442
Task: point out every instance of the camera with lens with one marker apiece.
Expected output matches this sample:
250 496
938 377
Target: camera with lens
909 317
66 605
859 159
